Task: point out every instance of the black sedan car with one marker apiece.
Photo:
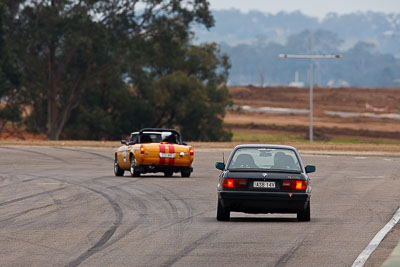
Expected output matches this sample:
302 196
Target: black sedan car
264 179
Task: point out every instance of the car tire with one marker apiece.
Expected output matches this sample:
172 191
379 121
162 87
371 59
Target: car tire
222 213
185 173
168 173
132 168
117 170
304 215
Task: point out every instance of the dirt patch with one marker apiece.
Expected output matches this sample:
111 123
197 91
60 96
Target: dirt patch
326 127
333 99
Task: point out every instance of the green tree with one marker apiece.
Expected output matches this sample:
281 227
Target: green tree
185 86
191 96
64 51
96 65
10 76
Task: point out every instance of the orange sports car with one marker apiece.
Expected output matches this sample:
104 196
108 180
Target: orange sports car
154 150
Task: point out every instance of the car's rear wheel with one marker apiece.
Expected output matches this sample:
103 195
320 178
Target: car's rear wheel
134 172
168 173
222 213
185 173
304 215
117 170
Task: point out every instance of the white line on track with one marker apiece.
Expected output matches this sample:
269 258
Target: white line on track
369 177
363 257
47 183
316 156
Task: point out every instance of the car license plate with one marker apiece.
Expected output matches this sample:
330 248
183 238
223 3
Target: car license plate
167 155
264 184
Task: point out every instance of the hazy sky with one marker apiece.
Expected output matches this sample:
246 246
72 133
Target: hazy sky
317 8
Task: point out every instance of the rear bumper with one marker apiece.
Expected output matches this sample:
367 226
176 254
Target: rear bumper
162 168
263 202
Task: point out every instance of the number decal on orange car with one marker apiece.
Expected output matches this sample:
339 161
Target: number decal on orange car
124 153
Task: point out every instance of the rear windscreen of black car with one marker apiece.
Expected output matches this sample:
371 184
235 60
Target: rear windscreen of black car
265 158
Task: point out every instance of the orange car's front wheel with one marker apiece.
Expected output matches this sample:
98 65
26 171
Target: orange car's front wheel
117 170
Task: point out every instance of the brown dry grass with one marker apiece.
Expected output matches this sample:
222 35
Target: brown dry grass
320 120
334 99
325 99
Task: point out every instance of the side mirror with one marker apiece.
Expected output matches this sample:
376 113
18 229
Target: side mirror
220 165
123 142
310 168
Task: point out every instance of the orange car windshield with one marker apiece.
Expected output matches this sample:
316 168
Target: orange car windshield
159 137
150 138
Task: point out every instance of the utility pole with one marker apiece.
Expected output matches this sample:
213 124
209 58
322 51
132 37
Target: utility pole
310 57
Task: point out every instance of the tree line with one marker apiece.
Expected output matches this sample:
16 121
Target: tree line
96 69
360 66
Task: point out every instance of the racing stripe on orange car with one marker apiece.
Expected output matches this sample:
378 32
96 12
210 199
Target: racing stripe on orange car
171 149
162 150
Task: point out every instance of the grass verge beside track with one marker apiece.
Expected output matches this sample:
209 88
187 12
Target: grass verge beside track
331 146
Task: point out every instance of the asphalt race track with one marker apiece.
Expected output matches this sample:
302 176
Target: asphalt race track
64 207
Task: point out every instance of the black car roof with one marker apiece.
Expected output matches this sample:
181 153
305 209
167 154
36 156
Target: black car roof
264 146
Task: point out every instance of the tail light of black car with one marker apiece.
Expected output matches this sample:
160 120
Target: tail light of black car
234 183
294 185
